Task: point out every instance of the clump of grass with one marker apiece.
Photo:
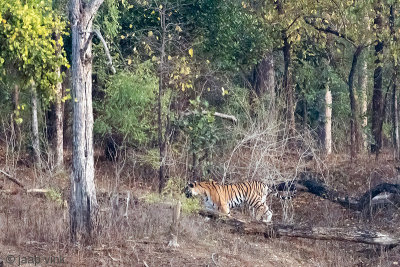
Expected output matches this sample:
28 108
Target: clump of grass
152 198
54 195
190 205
172 192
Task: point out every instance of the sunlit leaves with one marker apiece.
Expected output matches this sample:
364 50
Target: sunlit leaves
26 41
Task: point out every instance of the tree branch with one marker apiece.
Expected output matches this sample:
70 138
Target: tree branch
93 6
12 179
216 114
328 29
98 33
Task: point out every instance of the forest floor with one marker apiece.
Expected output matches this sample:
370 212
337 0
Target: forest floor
35 228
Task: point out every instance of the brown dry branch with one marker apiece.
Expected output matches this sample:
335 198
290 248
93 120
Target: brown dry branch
12 179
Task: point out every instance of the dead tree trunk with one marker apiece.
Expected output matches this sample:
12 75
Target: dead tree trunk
395 109
354 129
315 186
58 141
328 120
35 127
287 85
58 122
15 114
263 79
161 139
83 206
377 99
363 83
319 233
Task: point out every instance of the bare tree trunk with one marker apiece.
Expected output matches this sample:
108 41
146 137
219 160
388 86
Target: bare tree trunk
59 144
377 99
287 77
288 87
263 79
83 206
354 129
58 122
35 127
363 83
14 124
395 109
161 141
328 121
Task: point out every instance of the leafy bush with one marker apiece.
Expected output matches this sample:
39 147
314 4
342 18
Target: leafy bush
128 109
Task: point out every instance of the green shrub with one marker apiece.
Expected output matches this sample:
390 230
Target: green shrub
128 109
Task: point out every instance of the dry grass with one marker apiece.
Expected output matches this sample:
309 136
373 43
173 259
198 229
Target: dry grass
39 226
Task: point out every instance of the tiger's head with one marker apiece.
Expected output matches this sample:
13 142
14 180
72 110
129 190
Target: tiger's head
191 189
196 188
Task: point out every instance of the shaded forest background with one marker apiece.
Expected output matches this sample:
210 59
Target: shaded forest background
196 78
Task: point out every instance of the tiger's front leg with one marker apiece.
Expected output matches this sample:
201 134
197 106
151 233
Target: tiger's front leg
264 214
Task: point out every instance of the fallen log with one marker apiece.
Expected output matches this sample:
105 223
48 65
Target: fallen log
351 234
12 179
316 186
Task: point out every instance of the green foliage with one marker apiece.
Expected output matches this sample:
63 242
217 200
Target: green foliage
26 43
200 127
173 192
54 195
152 158
128 107
236 37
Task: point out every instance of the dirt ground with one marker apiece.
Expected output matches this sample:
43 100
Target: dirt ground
35 228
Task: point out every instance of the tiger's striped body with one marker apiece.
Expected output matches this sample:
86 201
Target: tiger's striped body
225 197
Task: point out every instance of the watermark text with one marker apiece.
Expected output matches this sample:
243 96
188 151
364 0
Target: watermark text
19 260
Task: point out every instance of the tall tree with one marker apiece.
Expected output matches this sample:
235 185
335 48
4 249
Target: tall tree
363 84
83 206
377 96
287 84
35 126
395 100
263 79
328 120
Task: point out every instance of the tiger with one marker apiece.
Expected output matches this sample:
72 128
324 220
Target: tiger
223 198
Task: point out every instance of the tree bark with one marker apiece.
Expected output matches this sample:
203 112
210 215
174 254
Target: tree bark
354 128
161 139
264 79
328 120
287 77
14 124
288 87
395 109
363 83
377 99
83 206
59 144
35 127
